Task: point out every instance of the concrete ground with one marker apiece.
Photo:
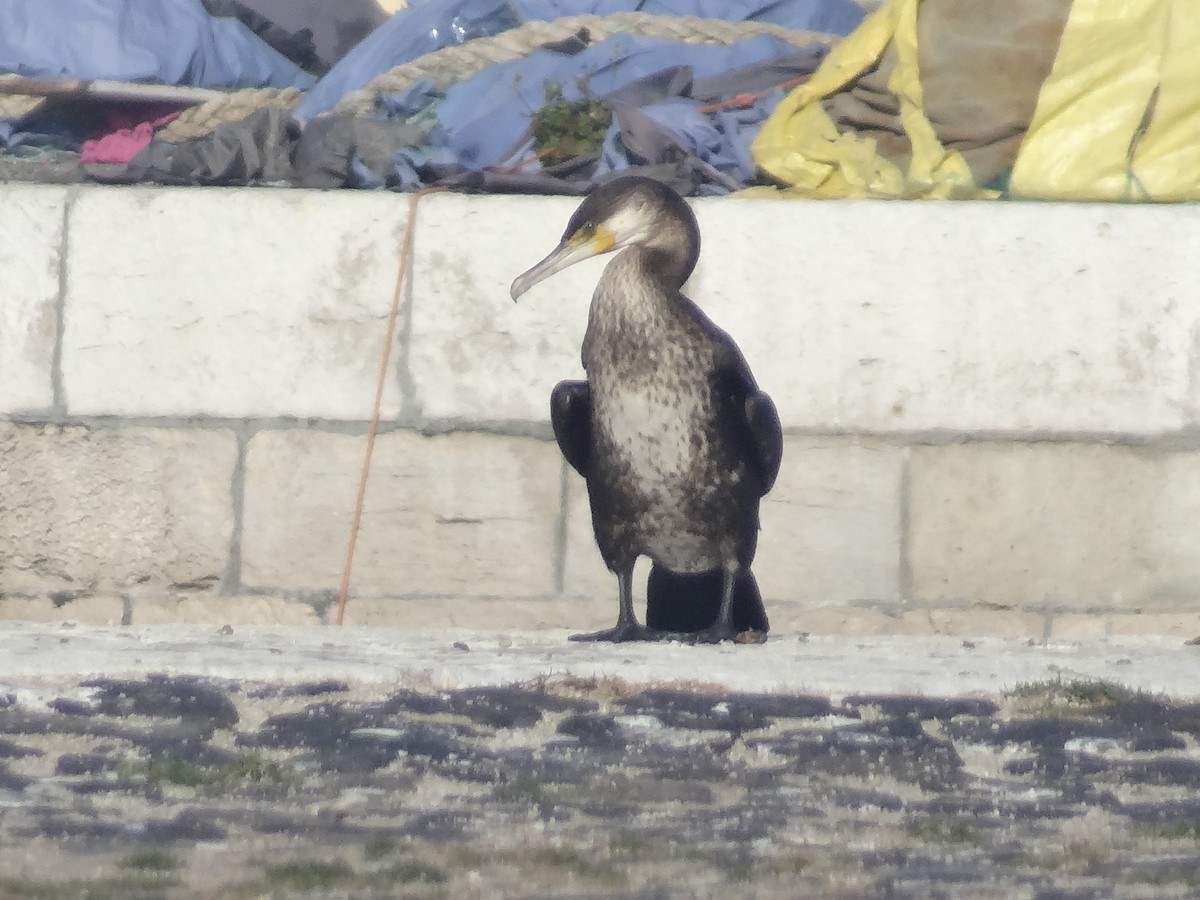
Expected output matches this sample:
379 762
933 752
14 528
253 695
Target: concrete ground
32 654
305 762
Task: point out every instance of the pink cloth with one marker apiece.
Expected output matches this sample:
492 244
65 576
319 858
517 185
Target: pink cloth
126 132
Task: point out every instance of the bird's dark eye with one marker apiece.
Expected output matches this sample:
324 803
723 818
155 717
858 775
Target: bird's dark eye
587 229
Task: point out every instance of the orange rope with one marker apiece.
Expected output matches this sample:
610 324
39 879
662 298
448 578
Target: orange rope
373 428
748 99
522 163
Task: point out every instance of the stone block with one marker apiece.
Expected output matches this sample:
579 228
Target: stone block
1079 627
470 514
95 609
474 355
1184 625
792 618
584 574
100 510
1069 526
31 246
500 614
980 621
880 316
217 610
830 528
946 316
1098 626
831 525
260 303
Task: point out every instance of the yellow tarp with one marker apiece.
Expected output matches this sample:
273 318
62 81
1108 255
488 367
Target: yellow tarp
1119 116
800 145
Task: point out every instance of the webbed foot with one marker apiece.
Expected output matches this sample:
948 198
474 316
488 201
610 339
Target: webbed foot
712 636
618 634
750 636
716 633
674 637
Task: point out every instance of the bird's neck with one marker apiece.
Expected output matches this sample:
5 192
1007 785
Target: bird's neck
638 292
636 317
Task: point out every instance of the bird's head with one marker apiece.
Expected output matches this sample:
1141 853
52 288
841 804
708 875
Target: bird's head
625 212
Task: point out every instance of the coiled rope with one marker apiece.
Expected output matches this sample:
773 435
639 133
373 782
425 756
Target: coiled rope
450 64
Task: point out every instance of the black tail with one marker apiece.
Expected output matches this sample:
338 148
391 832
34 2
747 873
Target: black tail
683 603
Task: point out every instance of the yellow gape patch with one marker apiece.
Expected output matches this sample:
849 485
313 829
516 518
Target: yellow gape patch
601 240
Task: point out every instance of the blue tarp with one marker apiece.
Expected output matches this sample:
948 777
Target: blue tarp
167 41
664 94
484 118
429 25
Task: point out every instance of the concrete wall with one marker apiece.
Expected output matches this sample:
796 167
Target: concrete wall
992 410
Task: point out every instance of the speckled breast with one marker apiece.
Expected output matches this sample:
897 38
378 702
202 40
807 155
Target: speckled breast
656 460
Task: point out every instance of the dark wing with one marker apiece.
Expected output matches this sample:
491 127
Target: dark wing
763 421
571 418
753 420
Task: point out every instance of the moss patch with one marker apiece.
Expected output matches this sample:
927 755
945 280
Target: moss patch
945 831
409 871
1067 698
521 790
563 130
568 860
151 861
1186 829
249 767
130 886
309 875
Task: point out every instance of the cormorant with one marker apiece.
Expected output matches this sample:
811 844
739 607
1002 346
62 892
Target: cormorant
675 603
670 430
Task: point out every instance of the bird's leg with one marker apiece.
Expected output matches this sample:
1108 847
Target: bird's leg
722 628
627 627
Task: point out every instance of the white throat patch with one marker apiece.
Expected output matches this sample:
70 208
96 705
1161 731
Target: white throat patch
630 225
